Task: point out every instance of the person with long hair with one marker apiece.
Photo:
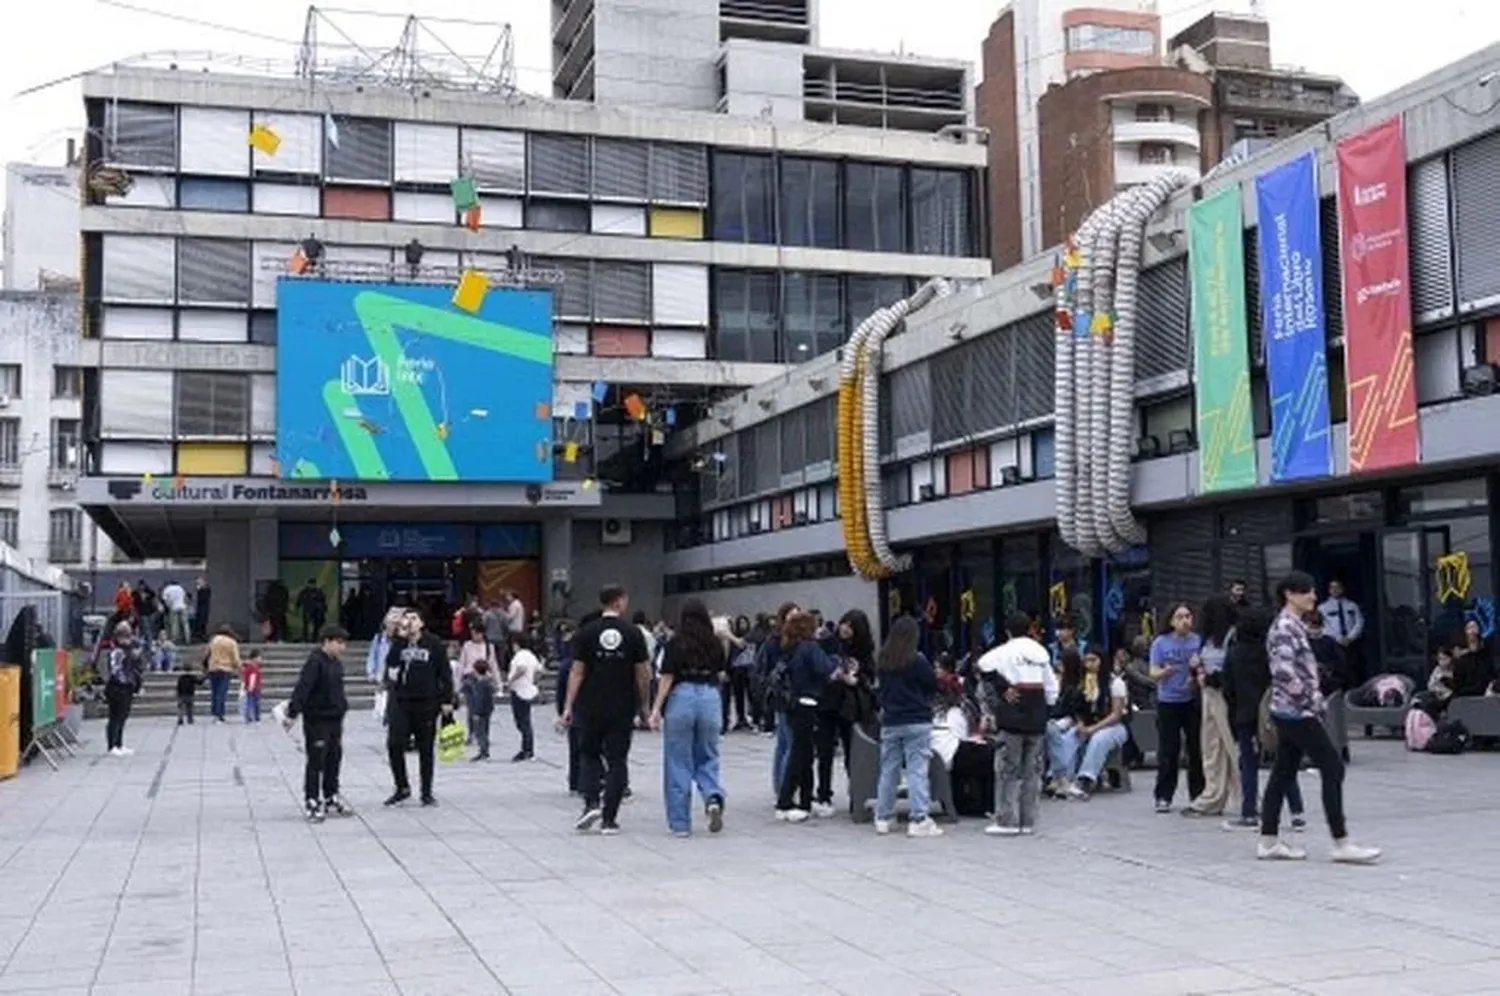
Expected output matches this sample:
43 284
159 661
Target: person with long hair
687 711
1099 728
844 702
1174 657
1297 714
1221 783
766 662
123 670
808 670
223 662
1245 680
906 689
741 661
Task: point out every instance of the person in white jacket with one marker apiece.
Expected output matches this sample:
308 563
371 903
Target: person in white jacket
1017 688
380 648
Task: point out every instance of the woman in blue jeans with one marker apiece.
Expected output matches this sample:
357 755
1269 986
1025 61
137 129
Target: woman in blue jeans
1099 709
687 711
905 690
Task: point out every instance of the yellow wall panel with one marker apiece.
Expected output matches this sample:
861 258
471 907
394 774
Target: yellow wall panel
676 223
213 459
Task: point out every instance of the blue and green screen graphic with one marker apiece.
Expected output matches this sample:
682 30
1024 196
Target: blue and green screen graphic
391 382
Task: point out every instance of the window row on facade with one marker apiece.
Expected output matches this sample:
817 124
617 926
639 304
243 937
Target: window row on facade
62 444
199 158
996 384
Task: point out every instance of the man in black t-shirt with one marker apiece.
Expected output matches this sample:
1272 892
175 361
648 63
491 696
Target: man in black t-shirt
608 687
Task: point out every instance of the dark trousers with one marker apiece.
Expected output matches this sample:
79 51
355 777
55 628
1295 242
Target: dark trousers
604 758
218 692
1296 739
829 733
411 721
479 731
184 710
119 699
575 760
737 690
325 755
520 711
312 622
797 783
1174 722
1249 746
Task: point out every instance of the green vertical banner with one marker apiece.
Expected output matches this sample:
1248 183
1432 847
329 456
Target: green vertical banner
43 688
1221 353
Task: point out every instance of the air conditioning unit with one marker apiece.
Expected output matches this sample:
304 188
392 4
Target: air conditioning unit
615 532
4 401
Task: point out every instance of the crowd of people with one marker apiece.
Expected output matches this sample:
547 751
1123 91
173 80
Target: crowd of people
1010 724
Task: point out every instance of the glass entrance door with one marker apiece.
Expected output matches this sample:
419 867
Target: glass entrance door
1413 617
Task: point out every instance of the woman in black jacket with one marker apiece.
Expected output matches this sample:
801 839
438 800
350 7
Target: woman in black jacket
844 702
1245 680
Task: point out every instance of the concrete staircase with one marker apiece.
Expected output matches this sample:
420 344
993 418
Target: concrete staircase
280 665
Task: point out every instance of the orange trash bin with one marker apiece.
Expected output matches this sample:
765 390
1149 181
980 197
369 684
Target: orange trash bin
10 720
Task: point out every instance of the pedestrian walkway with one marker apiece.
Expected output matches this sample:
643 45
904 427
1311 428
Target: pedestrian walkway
187 869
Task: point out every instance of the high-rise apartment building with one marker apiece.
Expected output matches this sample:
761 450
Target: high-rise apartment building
748 58
1033 46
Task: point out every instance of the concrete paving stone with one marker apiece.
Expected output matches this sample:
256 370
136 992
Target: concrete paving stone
176 886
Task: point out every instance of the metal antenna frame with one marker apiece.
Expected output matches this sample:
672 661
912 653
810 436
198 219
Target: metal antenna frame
420 59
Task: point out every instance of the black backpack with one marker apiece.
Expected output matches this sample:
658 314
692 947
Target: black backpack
1450 737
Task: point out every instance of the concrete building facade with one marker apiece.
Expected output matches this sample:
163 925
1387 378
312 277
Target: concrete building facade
747 58
697 253
40 227
967 450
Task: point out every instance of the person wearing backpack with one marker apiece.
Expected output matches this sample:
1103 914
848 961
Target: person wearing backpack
1246 680
1297 715
805 670
776 692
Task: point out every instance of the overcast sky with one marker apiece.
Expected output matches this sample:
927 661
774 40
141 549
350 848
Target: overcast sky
1376 45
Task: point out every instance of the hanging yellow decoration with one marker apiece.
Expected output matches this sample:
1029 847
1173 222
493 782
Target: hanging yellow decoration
966 603
469 294
1057 598
264 140
570 452
1453 577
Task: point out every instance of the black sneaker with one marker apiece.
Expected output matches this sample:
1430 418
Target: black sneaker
314 811
610 829
627 792
715 816
428 799
586 821
336 806
521 755
398 797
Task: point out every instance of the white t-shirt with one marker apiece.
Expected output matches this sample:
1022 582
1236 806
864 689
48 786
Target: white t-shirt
524 668
173 597
948 733
515 616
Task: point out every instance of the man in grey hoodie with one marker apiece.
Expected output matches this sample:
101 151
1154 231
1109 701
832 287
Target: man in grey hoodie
1017 686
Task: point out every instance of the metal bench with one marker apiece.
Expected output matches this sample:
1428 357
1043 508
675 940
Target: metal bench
864 779
1479 714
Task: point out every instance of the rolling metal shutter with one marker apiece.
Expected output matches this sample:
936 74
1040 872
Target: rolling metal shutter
1476 221
1333 281
911 409
558 164
141 135
1161 337
214 271
991 365
679 174
363 151
495 159
1035 367
620 169
950 389
1431 243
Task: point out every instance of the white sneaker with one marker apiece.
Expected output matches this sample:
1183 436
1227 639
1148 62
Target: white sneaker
114 752
996 830
793 815
924 828
1346 853
823 810
882 827
126 751
1276 849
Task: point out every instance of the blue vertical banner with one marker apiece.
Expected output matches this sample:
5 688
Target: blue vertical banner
1292 323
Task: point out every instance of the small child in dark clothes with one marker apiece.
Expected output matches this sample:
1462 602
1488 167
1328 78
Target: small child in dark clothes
480 689
187 687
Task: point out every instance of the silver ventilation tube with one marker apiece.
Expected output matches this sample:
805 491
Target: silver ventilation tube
1096 445
1065 452
880 326
1144 203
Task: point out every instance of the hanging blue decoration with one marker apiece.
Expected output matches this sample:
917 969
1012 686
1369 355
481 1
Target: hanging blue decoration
580 411
601 391
670 416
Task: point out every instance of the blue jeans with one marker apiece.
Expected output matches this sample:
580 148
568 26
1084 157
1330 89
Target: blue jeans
1062 750
690 749
911 746
1096 752
1250 775
252 707
218 692
783 748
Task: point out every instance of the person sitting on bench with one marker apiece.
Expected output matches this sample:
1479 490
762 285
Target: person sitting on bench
1098 728
969 758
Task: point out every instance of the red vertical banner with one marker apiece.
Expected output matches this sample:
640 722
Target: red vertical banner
1375 253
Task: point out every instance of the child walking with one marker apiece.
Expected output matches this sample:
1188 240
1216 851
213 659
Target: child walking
187 686
250 679
481 686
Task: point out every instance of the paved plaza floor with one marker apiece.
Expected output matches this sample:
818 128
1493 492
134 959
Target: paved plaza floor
187 869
